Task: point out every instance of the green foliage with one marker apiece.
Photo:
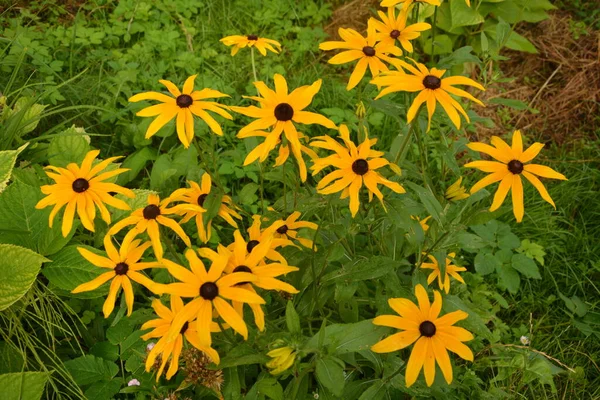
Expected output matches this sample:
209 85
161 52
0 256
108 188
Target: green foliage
18 270
23 385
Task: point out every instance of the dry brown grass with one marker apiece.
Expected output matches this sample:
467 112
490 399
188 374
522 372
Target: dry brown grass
353 14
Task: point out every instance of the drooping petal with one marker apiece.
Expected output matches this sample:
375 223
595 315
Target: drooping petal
396 341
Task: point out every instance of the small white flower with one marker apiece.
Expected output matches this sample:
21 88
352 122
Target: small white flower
524 340
133 382
316 395
150 346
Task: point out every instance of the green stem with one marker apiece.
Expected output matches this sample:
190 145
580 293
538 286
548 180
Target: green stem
433 32
284 189
253 66
400 156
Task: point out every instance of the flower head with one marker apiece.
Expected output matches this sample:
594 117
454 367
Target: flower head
262 44
451 270
184 105
512 163
289 229
393 27
282 359
258 235
82 188
434 335
456 191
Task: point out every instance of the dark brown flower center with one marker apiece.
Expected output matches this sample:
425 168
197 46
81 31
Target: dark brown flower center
151 211
184 328
209 290
121 268
184 100
242 268
515 166
432 82
360 166
252 37
284 112
282 229
369 51
201 199
80 185
395 33
251 245
427 328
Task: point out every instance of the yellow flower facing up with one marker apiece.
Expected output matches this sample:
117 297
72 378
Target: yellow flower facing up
184 105
456 191
512 163
279 110
432 89
282 359
393 27
149 218
451 270
366 50
124 266
408 3
434 335
82 189
172 350
261 44
422 222
289 229
355 167
194 197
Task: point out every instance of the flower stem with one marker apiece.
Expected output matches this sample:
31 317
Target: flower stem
253 66
433 32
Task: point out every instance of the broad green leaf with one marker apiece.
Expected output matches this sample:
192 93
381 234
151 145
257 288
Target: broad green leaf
136 162
371 268
23 385
103 390
470 242
442 45
105 350
18 269
433 206
163 170
291 318
486 263
11 359
374 392
270 388
508 278
348 338
463 15
70 146
242 355
525 266
89 369
330 374
475 323
247 194
119 333
8 158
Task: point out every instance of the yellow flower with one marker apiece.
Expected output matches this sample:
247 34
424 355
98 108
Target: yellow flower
282 359
468 2
354 167
172 349
432 90
148 219
451 270
422 222
195 197
456 191
258 235
289 229
433 336
183 105
124 265
513 162
393 27
369 53
209 291
408 3
262 44
82 188
279 110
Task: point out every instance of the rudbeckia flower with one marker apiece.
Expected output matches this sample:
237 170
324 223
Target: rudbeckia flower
148 219
124 266
262 44
183 105
282 359
513 162
408 3
289 229
367 51
258 235
422 222
451 270
433 335
210 291
170 351
355 167
82 188
279 110
456 191
393 27
195 197
432 89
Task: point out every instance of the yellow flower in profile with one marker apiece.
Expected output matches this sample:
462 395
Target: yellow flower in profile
82 189
393 27
422 222
124 267
184 105
367 51
282 359
513 162
258 235
149 218
456 191
289 229
194 197
279 110
408 3
451 270
262 44
355 166
468 2
432 89
170 351
434 335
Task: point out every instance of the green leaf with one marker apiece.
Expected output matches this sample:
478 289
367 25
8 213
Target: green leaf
120 332
70 146
503 30
372 268
18 269
8 158
375 391
212 204
348 338
270 388
105 350
162 170
291 318
247 195
89 369
23 385
330 374
509 278
103 390
525 266
242 355
136 162
486 263
433 206
11 358
463 15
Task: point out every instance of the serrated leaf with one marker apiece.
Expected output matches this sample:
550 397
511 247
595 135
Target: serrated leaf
18 269
8 158
89 369
23 385
509 278
330 374
372 268
270 388
70 146
120 332
103 390
463 15
525 266
486 263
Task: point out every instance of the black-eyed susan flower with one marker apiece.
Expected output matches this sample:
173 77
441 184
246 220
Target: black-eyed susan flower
82 189
172 350
434 335
258 235
261 44
408 3
451 270
124 266
355 167
366 50
456 191
149 218
184 105
209 291
512 163
279 110
432 89
194 197
289 229
281 359
422 222
393 27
